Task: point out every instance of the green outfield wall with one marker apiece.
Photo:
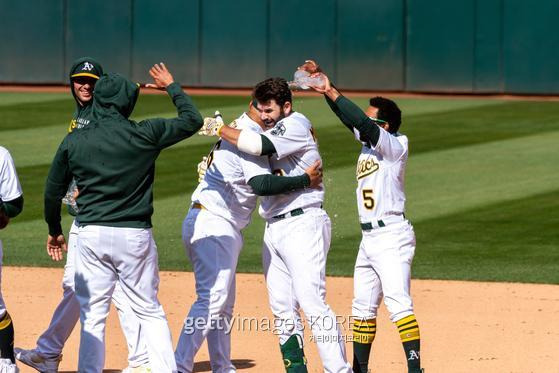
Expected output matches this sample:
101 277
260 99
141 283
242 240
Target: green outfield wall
458 46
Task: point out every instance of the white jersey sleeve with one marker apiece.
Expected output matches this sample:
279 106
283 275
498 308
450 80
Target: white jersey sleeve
10 188
290 135
390 146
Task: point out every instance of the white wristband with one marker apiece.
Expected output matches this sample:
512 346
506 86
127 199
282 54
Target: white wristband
249 142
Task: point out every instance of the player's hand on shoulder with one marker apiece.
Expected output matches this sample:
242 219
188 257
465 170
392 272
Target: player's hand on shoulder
315 174
161 76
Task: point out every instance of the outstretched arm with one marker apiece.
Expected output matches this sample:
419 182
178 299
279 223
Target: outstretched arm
246 141
267 185
350 114
166 132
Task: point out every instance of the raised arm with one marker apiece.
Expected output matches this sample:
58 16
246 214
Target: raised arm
166 132
350 114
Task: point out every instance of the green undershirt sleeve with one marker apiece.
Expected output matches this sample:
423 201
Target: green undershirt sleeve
351 114
268 147
12 208
268 185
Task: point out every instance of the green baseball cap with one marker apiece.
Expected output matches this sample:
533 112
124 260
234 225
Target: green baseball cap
86 66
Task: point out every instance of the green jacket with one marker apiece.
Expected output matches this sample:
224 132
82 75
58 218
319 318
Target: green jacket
113 158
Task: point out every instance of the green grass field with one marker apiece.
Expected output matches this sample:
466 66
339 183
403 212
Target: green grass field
482 183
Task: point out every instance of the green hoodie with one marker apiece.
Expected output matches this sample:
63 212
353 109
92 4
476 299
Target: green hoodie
113 158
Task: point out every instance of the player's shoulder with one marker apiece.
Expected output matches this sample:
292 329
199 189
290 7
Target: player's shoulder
4 153
403 139
245 122
297 118
294 123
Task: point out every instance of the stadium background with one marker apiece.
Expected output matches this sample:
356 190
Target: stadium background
472 46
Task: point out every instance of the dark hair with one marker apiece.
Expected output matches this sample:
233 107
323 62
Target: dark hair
388 111
272 89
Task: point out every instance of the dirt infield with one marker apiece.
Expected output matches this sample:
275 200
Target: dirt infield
465 326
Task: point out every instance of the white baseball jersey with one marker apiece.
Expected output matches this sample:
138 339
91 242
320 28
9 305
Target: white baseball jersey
224 190
380 177
296 150
10 187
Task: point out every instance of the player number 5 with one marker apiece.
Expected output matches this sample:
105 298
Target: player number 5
368 200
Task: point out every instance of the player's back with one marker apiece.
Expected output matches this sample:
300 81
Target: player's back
224 190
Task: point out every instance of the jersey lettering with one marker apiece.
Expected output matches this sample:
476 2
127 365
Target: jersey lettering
368 200
366 167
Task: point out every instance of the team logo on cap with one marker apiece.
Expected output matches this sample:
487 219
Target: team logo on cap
87 66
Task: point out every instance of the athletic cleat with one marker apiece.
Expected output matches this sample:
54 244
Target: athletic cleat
140 369
35 360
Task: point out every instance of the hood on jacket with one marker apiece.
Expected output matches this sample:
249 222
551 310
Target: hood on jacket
114 94
86 67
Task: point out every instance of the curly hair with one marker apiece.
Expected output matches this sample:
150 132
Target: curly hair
388 111
272 88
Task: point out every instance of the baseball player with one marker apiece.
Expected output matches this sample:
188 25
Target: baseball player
113 162
298 231
11 204
222 205
46 357
383 265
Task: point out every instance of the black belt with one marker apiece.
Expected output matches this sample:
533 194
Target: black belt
379 224
295 212
369 226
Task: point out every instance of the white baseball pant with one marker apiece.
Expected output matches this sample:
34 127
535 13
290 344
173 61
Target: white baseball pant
67 314
383 267
213 245
105 256
2 304
294 260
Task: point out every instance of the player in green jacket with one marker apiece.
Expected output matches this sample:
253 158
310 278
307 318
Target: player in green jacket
113 162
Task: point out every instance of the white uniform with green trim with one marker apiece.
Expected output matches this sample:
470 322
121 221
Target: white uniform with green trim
10 189
296 244
383 265
213 241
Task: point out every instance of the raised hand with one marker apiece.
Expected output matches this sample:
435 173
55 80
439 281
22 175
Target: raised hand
161 76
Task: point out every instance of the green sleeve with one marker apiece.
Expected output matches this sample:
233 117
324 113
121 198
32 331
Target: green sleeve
166 132
58 179
268 147
268 185
12 208
339 114
353 117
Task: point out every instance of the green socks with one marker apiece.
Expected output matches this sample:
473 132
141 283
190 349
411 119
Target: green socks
293 355
409 334
7 338
364 332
